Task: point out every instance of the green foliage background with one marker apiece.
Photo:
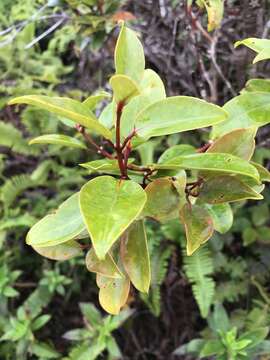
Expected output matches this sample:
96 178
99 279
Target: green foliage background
49 310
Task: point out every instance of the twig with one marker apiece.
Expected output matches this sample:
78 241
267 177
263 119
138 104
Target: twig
118 145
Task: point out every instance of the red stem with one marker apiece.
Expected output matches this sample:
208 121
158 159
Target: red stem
118 145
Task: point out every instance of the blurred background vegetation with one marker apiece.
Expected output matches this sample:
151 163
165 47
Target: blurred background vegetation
49 310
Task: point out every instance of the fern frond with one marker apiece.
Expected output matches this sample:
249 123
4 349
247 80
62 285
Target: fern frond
14 187
13 139
198 269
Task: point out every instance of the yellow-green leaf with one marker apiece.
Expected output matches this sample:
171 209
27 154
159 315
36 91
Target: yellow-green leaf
124 88
64 251
263 172
246 110
63 225
69 108
92 101
221 189
106 267
135 256
57 139
108 207
129 55
225 163
162 200
215 10
198 226
113 293
177 114
260 46
239 142
222 217
255 85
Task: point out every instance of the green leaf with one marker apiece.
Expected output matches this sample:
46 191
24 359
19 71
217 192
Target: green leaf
92 101
198 226
239 142
246 110
40 322
65 224
101 165
152 90
108 207
212 347
58 139
106 267
135 256
91 313
225 188
255 85
225 163
69 108
162 200
64 251
44 351
263 172
222 217
113 293
129 55
177 114
256 336
260 46
175 151
124 88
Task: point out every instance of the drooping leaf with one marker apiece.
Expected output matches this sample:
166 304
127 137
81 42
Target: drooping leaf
260 46
222 217
63 225
225 163
215 10
177 114
106 267
263 172
246 110
135 256
225 188
92 101
113 293
162 200
108 207
124 88
64 251
129 55
57 139
198 226
175 151
255 85
239 142
69 108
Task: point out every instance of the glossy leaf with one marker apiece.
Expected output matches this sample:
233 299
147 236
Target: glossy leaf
106 267
58 139
177 114
263 172
113 293
124 88
129 55
198 226
108 207
92 101
152 86
246 110
64 251
63 225
221 189
135 256
69 108
222 217
260 46
106 117
255 85
224 163
162 200
239 142
175 151
101 165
